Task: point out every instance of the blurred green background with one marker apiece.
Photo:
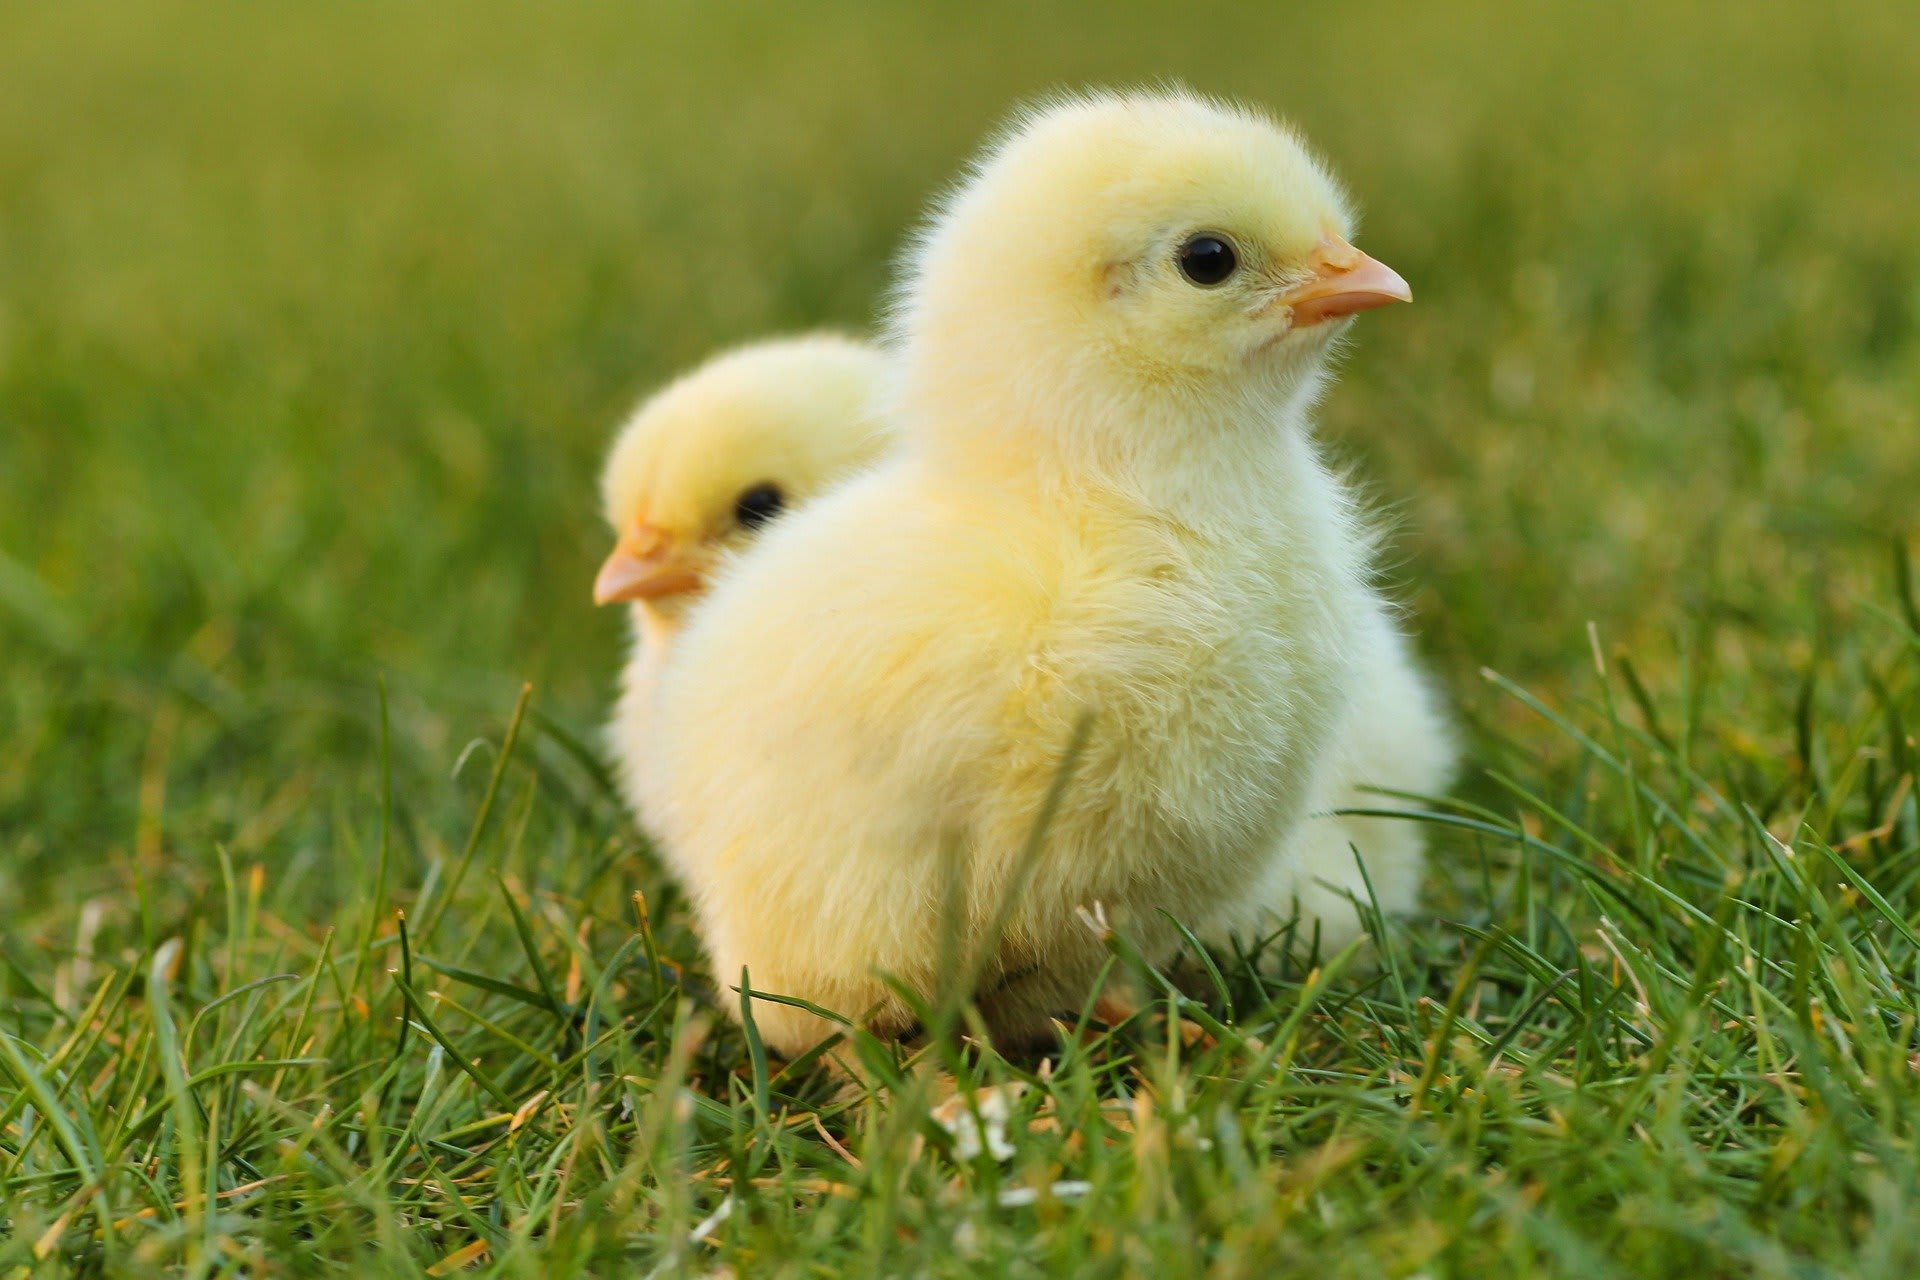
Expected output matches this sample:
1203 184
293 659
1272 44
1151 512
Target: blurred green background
315 320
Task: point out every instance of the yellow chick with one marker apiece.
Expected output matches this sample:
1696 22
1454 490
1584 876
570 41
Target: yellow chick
702 467
1105 502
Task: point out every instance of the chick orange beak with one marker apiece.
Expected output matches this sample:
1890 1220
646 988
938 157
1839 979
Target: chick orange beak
645 565
1345 281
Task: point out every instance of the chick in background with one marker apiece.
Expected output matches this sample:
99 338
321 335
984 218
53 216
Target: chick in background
1105 500
701 468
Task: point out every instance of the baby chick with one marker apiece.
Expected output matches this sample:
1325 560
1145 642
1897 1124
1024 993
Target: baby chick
702 467
1105 504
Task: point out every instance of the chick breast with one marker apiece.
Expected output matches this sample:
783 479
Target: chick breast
630 730
1393 735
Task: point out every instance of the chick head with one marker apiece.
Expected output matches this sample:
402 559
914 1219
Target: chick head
713 457
1145 241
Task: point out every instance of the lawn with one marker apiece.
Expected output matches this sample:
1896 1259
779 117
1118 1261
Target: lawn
325 948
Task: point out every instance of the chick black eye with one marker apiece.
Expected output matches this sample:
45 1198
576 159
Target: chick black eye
758 505
1207 259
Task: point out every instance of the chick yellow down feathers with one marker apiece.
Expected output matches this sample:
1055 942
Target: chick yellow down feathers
1391 748
1104 503
702 467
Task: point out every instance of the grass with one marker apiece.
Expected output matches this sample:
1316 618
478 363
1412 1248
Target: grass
327 951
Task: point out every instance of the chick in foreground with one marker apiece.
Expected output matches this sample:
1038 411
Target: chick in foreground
1105 503
701 468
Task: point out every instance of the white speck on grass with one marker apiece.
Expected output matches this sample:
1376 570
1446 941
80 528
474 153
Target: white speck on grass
1020 1197
460 761
709 1223
981 1127
696 1237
